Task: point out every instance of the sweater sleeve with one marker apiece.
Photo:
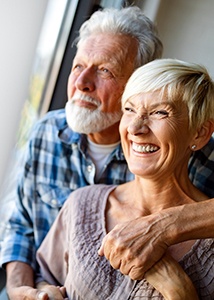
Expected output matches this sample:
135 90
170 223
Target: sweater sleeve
52 255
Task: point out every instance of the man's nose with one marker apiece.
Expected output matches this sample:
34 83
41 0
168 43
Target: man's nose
85 81
139 125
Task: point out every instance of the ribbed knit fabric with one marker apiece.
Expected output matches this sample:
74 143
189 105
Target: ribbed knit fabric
69 255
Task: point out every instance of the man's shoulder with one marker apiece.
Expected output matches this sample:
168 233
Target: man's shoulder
50 123
201 168
53 127
209 147
56 117
207 151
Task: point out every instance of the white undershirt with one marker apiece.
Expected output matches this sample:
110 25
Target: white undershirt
99 155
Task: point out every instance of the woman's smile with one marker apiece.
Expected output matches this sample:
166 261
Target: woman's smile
144 148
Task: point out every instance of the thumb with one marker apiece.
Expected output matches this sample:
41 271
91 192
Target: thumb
41 295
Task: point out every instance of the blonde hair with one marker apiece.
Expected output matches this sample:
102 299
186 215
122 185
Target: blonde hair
178 81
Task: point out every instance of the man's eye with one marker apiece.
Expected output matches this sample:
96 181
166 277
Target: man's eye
77 67
104 70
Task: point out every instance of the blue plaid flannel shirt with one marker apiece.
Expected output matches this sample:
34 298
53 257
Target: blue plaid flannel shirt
55 165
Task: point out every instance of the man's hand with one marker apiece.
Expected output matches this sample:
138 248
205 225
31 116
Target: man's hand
26 292
48 292
135 246
53 292
20 284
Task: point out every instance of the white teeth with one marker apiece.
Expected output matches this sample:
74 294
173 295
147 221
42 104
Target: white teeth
144 149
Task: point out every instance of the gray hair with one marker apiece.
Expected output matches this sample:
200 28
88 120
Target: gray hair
178 81
128 21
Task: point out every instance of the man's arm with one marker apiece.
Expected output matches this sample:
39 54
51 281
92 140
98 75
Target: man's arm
20 282
135 246
20 276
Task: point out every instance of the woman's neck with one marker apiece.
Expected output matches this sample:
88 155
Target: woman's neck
147 196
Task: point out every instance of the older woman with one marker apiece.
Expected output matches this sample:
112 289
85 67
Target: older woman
168 111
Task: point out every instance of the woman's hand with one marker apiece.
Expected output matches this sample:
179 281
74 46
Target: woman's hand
51 292
168 277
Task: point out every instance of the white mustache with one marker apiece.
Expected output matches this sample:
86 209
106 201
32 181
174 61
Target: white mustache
85 98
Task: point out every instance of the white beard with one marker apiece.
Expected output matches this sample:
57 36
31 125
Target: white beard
84 120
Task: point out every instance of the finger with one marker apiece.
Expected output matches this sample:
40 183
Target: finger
106 246
101 249
63 291
41 295
129 266
116 263
136 273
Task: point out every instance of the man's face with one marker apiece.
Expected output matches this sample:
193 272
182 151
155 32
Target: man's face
100 70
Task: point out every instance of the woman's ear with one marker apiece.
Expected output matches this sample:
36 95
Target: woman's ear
203 135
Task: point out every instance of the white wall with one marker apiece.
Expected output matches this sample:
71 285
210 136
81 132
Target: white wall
20 24
186 28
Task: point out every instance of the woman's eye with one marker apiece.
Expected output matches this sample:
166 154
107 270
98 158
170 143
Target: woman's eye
128 109
162 113
159 114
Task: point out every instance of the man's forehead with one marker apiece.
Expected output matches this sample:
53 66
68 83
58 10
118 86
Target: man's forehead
96 56
101 52
108 48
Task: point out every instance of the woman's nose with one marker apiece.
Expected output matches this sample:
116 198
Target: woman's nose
85 81
139 126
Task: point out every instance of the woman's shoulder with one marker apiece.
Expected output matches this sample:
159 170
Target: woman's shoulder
198 263
200 249
92 189
95 193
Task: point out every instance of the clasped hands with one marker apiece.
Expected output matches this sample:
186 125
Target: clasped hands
137 248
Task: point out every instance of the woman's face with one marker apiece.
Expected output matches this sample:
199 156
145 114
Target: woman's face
155 134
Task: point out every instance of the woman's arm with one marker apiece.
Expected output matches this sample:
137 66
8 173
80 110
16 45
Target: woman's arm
170 280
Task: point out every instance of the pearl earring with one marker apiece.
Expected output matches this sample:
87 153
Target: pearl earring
193 147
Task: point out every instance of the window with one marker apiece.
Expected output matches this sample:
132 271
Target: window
47 60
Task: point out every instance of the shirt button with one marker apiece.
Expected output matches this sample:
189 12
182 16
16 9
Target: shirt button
54 202
89 168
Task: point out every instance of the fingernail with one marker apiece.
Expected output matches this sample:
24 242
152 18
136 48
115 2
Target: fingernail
41 294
